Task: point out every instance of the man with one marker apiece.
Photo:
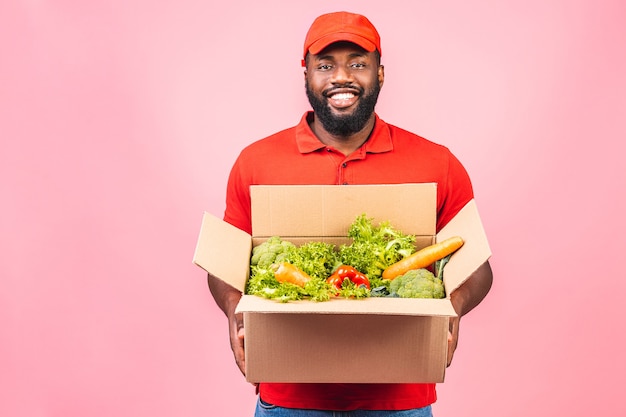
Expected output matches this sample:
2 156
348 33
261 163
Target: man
343 141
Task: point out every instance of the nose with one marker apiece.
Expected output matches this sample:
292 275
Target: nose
341 75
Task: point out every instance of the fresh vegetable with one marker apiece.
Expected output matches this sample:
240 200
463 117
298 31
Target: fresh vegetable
264 284
351 274
286 272
424 257
335 281
375 248
357 278
272 250
381 290
440 264
417 283
348 282
317 271
316 259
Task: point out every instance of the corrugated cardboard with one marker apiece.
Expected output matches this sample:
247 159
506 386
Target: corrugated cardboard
378 340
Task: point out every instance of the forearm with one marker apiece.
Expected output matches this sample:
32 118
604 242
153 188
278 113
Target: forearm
226 296
473 291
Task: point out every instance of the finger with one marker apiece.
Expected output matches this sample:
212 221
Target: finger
450 350
240 358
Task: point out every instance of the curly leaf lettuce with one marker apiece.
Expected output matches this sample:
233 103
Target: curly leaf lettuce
374 248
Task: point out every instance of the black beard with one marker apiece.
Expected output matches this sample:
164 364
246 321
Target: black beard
349 124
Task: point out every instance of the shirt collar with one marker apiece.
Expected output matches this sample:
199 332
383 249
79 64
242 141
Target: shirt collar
379 140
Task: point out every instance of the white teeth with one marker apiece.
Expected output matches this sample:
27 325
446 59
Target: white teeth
343 96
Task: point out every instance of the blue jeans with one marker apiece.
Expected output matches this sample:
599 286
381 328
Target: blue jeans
264 409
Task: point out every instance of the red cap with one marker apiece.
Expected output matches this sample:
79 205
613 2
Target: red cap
341 26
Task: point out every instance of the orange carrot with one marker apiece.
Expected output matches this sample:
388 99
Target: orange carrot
424 257
286 272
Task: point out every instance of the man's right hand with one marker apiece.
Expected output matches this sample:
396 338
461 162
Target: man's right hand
237 340
227 298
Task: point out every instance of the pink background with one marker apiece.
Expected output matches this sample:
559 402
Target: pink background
120 120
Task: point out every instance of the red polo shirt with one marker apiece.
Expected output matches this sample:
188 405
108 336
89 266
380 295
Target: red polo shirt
390 156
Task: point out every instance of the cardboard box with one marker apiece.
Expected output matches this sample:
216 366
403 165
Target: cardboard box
375 340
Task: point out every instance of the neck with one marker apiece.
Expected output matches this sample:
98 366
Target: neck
344 144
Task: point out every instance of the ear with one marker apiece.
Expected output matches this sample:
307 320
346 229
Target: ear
381 75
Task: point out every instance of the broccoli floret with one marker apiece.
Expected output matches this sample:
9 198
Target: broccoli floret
417 283
270 251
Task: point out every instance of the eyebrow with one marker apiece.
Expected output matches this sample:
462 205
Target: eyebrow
331 56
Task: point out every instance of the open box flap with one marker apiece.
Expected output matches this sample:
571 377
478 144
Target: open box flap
322 211
474 252
224 251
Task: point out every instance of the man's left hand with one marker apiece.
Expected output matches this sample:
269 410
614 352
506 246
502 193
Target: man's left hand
453 337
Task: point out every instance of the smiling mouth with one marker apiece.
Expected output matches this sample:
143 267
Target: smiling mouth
342 99
342 96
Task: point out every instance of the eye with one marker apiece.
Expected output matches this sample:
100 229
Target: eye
357 65
324 67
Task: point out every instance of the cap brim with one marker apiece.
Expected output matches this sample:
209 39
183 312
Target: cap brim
319 45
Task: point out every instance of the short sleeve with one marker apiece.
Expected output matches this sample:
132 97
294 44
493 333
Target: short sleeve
238 209
456 192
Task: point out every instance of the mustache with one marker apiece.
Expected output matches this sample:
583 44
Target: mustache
329 91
